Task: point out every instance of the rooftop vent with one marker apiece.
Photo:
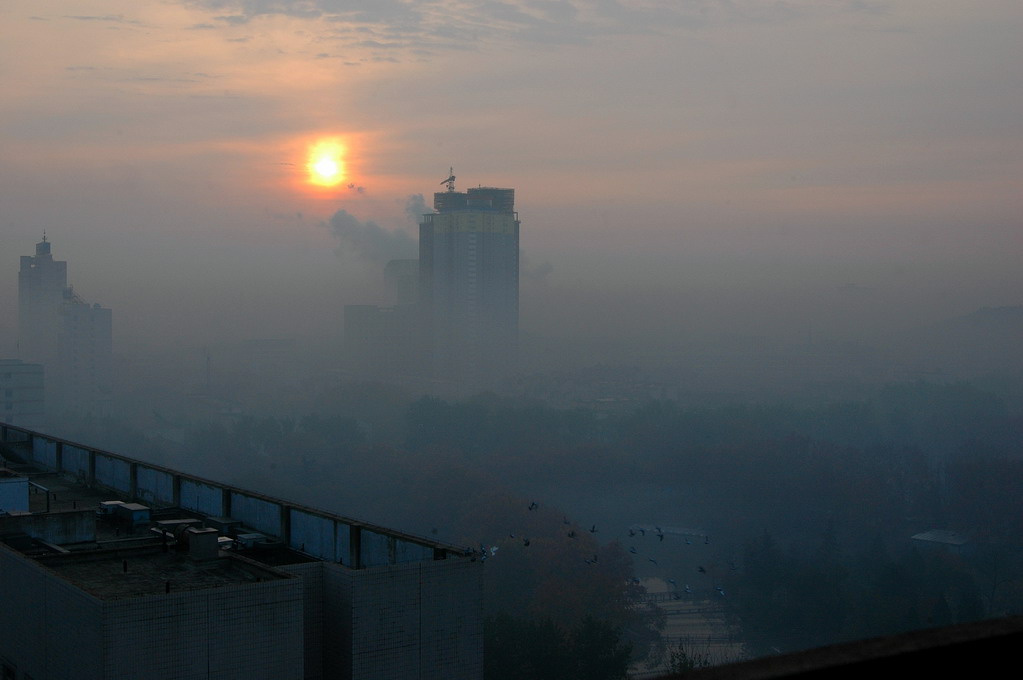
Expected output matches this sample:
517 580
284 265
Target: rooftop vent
202 543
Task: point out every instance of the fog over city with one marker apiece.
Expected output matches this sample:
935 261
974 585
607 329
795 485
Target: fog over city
754 236
685 168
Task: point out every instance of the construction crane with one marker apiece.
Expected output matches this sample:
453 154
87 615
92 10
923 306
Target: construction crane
450 181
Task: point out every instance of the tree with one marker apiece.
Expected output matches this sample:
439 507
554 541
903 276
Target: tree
683 659
539 649
598 652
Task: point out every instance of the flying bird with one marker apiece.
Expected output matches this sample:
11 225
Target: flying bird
533 506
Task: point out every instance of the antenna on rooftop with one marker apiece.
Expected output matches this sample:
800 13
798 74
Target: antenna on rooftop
450 181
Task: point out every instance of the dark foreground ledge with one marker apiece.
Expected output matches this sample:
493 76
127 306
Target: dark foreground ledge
968 650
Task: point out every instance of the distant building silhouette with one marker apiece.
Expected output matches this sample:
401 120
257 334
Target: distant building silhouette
402 278
22 400
58 329
42 282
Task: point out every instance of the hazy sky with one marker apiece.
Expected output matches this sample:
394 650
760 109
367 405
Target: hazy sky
679 165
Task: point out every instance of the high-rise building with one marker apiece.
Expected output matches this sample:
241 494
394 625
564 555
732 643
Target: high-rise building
469 285
58 329
454 323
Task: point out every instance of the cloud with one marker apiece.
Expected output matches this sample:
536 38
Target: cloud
534 273
455 23
233 19
112 18
368 240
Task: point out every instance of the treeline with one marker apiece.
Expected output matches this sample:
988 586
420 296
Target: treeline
808 510
788 600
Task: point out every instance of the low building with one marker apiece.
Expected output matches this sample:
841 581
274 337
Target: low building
123 569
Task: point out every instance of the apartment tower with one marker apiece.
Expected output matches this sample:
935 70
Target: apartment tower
469 285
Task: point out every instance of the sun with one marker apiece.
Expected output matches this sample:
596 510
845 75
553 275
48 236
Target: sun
326 163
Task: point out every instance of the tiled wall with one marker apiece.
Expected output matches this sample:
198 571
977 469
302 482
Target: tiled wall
246 631
52 629
312 586
48 628
421 620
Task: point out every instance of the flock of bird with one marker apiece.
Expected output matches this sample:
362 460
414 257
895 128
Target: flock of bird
636 531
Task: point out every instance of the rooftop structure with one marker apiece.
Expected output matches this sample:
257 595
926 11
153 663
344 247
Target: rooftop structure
116 568
135 572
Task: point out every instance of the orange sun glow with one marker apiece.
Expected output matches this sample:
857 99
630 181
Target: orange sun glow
326 165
